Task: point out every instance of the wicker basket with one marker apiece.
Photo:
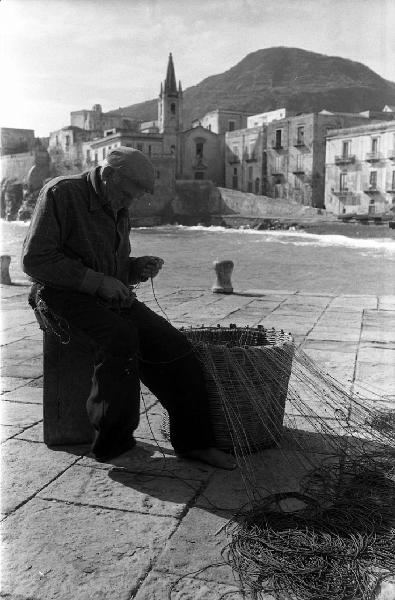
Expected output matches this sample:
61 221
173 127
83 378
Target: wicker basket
247 371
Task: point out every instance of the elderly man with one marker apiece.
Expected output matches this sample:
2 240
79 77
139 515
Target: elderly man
77 253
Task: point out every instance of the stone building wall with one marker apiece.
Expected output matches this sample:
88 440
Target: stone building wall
200 155
360 172
244 159
16 141
15 167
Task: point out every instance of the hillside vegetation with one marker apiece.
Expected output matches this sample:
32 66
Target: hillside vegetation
272 78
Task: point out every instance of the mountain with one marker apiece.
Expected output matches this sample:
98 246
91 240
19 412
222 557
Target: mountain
272 78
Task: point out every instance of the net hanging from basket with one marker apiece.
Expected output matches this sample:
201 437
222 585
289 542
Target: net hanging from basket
331 537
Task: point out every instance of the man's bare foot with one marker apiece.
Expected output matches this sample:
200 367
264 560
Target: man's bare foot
211 456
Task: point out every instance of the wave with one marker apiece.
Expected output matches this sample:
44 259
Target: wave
289 236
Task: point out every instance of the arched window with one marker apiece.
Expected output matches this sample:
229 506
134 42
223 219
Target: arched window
173 108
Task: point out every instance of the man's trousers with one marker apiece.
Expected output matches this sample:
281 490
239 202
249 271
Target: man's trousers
134 344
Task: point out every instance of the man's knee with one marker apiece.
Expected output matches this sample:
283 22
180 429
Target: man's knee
123 340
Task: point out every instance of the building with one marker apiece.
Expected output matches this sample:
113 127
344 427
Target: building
360 169
222 120
65 148
267 117
98 121
200 155
295 155
245 159
16 141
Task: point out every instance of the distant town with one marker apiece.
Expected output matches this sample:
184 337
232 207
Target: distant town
340 162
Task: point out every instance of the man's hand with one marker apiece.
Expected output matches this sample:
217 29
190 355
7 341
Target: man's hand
114 291
145 267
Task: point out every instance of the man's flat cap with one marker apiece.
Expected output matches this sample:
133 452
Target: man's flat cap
136 165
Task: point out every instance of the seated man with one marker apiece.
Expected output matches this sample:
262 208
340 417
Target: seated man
77 252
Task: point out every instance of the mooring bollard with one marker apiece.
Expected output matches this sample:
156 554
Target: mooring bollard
5 272
223 270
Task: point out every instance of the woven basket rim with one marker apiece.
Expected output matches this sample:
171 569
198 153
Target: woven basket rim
275 337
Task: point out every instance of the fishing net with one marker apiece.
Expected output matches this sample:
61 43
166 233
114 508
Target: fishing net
331 536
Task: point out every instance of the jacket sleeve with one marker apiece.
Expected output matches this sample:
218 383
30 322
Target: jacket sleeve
43 258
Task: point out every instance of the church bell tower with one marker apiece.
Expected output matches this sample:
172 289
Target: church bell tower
170 109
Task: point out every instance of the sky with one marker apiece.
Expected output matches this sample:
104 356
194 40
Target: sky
63 55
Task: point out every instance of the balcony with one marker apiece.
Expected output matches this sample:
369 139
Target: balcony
371 189
373 157
277 170
345 159
391 190
299 143
251 157
277 146
298 170
232 160
341 192
391 154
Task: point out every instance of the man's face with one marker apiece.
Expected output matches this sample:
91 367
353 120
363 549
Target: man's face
123 190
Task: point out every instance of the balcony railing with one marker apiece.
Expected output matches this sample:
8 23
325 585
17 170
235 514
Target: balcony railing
298 169
345 159
277 170
391 154
391 190
233 159
299 143
277 146
251 157
341 192
372 157
371 189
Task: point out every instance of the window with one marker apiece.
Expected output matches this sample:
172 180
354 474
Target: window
373 180
199 150
209 127
251 153
250 169
278 142
104 153
393 181
300 136
140 146
157 173
57 140
235 150
249 187
231 125
88 156
67 141
173 108
343 182
96 157
149 150
199 175
172 149
346 149
235 171
235 180
375 145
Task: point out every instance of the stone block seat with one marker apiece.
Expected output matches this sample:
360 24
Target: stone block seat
67 375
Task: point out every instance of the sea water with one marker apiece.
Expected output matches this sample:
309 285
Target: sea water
275 260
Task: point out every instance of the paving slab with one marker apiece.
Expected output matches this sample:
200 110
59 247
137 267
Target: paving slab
8 431
144 493
53 551
162 586
35 433
19 414
197 544
379 377
26 394
8 384
26 469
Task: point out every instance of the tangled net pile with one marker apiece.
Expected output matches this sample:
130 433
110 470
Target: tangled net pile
331 535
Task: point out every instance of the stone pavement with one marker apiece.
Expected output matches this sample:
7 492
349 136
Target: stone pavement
75 529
